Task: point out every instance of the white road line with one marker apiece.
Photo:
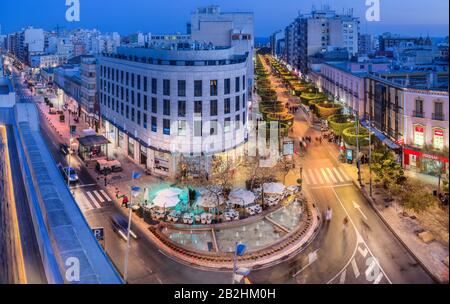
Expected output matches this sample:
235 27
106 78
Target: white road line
336 172
93 200
84 204
311 175
342 171
319 177
342 278
371 266
108 199
324 174
100 198
360 237
331 175
378 279
355 268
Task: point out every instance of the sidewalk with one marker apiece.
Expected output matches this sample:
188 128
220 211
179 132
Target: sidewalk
405 226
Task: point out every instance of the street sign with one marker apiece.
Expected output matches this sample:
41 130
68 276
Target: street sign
99 233
240 249
349 154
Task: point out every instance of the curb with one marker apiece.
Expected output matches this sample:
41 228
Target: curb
435 278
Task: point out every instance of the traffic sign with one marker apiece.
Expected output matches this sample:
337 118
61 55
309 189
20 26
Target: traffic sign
99 233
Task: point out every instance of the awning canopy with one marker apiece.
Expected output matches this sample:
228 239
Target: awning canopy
93 140
378 134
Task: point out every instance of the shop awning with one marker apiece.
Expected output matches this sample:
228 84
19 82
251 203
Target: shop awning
380 135
93 140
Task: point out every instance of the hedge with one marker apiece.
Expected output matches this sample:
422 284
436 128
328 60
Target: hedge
339 122
327 109
349 136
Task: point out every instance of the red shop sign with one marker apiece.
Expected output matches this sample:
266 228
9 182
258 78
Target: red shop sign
419 129
439 132
425 155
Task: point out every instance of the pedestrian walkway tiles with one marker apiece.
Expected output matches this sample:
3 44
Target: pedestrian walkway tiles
323 176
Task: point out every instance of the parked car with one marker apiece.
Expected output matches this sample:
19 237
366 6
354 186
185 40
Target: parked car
70 174
64 149
120 225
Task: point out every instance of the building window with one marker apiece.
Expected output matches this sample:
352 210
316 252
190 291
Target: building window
166 107
127 78
154 124
244 118
145 84
138 117
166 126
138 82
213 87
127 112
166 87
438 139
138 100
182 88
419 135
198 88
213 108
227 106
182 128
132 114
237 122
438 111
237 103
243 101
130 147
236 83
154 86
145 103
227 86
132 80
144 120
418 108
198 107
243 82
154 105
181 108
197 128
132 97
227 124
213 128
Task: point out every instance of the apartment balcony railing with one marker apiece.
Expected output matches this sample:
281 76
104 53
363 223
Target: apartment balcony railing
418 114
438 116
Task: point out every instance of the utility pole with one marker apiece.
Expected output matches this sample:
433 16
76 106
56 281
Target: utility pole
358 164
370 156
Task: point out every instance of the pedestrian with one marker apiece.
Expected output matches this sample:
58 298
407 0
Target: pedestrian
320 139
125 201
328 215
345 223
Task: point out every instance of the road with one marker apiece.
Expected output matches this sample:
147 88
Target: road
364 252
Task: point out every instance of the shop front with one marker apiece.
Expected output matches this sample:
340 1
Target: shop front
425 162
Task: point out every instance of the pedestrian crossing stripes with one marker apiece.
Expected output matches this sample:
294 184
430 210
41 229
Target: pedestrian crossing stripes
321 176
94 199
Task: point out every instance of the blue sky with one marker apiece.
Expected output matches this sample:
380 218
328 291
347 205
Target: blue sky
167 16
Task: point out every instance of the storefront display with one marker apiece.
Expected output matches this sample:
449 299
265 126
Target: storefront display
438 139
419 136
426 163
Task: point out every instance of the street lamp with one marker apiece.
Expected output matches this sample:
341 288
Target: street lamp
134 190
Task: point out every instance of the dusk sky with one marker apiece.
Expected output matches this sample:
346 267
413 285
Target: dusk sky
415 17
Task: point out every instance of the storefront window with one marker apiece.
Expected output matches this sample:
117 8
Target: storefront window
130 147
438 139
121 142
419 136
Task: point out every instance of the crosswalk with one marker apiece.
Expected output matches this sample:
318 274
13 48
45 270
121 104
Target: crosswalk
325 176
94 199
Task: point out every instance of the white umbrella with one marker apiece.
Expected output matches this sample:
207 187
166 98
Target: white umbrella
166 201
242 197
275 188
209 200
169 192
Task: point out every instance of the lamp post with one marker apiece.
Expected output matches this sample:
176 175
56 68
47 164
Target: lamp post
134 190
358 162
370 157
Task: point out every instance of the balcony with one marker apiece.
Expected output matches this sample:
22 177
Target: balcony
418 114
438 116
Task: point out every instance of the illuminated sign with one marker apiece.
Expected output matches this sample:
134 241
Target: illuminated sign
438 139
418 135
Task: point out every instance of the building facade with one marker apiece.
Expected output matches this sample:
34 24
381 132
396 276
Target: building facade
159 105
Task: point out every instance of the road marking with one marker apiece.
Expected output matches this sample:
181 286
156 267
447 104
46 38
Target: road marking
85 204
359 235
370 268
378 279
336 172
342 171
312 257
105 195
331 175
319 177
311 174
355 268
342 278
358 207
362 252
101 199
93 200
324 174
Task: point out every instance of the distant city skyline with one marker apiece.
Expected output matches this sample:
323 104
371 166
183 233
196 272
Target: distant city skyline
163 17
